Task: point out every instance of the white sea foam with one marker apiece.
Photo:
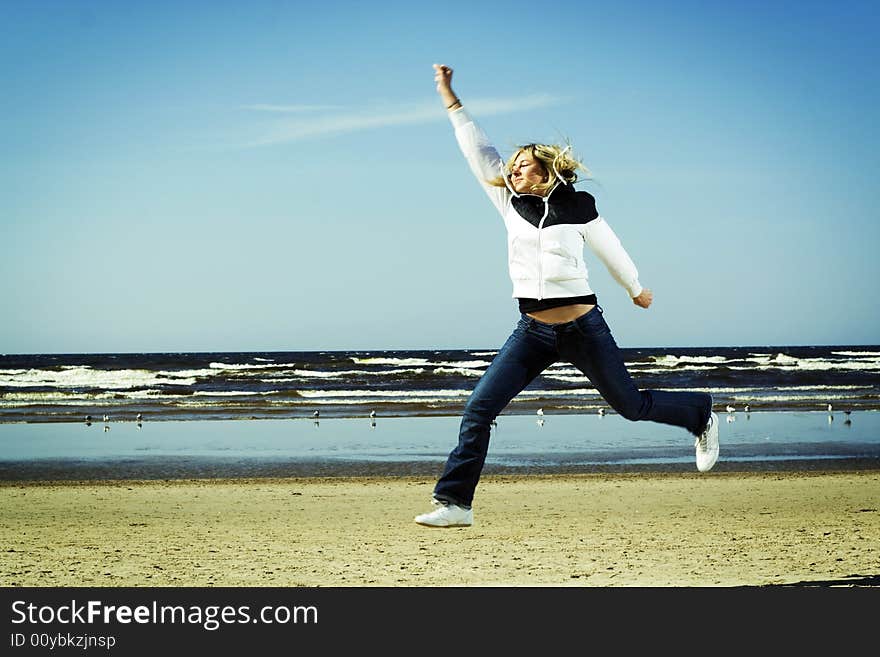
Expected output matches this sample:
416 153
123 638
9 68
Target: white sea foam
823 387
662 370
331 374
360 401
59 397
391 361
250 366
208 403
459 371
423 362
46 396
146 394
315 394
348 396
817 364
535 395
467 364
669 361
778 361
823 397
732 391
18 399
60 402
188 373
86 377
857 354
416 394
672 361
464 369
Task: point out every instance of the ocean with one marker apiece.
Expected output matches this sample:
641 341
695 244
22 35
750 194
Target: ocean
397 412
273 385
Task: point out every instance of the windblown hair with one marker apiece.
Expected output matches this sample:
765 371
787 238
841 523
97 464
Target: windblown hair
549 157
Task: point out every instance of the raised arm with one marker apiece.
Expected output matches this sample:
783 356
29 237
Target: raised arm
443 78
482 157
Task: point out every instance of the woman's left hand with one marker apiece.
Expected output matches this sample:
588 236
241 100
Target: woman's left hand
644 299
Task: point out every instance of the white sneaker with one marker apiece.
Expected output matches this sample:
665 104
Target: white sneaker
446 515
707 445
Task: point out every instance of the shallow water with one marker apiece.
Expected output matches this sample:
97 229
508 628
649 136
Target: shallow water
517 440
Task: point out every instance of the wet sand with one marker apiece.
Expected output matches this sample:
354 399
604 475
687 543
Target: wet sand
674 529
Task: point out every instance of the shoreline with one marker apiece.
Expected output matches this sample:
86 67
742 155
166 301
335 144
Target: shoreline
718 529
166 469
516 409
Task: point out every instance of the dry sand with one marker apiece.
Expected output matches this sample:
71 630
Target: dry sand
593 530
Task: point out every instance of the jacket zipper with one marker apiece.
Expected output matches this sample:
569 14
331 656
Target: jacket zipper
546 200
540 250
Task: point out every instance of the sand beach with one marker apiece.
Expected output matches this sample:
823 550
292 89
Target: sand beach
648 529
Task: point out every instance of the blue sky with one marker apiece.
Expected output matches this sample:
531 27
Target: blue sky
213 176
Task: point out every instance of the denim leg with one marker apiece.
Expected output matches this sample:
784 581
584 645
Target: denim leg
523 357
587 343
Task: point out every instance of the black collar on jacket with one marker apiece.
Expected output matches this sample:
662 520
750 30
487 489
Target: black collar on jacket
566 205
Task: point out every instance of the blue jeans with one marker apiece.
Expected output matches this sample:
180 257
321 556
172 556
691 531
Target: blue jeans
533 346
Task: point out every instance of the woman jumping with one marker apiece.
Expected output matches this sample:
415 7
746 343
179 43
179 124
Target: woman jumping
548 222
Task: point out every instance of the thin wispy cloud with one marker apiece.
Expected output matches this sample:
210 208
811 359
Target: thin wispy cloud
289 109
336 121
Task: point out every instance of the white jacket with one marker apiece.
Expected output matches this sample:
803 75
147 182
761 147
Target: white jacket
545 234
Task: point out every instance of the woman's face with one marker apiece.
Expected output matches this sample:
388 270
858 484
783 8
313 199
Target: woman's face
526 172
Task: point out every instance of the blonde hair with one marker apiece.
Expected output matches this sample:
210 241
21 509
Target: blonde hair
554 159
